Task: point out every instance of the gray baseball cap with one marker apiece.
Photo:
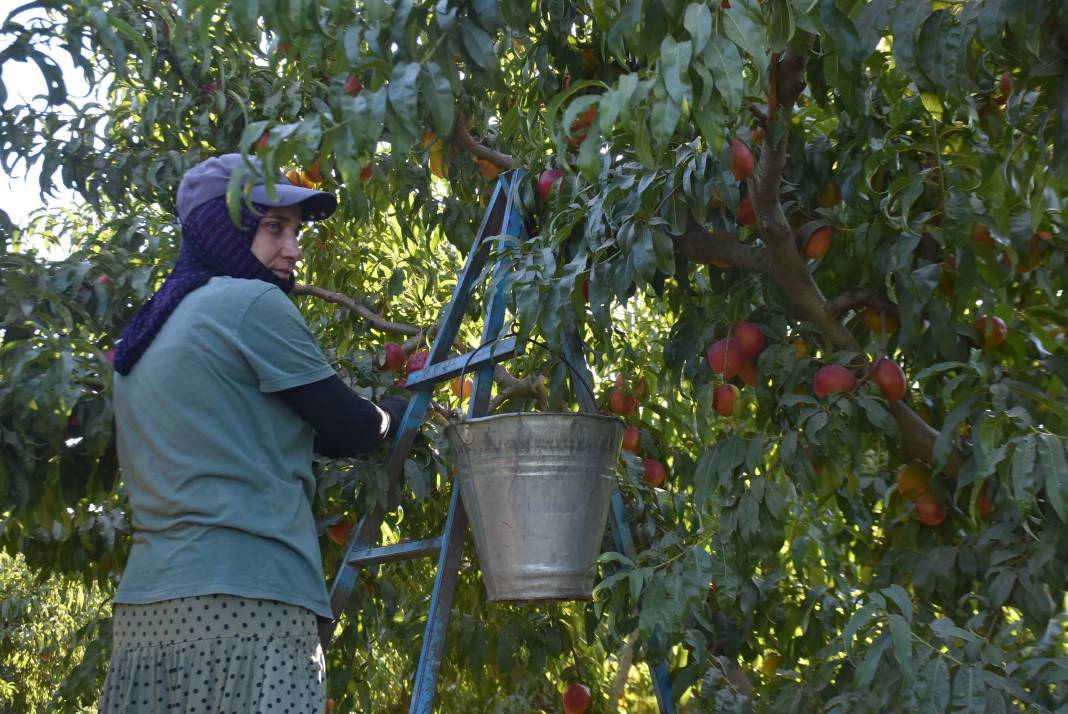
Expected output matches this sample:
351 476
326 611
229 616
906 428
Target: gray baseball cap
210 178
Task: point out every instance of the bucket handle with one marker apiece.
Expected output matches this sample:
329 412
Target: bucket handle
576 375
460 377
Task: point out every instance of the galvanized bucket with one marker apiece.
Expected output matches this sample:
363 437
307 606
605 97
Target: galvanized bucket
536 488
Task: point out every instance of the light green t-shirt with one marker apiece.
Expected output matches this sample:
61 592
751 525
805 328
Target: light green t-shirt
218 469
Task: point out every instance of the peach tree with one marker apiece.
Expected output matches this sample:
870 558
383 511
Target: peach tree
815 250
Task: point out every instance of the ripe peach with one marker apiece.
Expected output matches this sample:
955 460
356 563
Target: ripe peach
654 472
831 379
750 338
725 357
742 160
890 379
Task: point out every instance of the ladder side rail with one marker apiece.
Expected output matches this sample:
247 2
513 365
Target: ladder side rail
621 535
425 684
367 530
453 313
510 234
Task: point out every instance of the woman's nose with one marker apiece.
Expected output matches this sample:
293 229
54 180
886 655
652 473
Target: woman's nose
291 248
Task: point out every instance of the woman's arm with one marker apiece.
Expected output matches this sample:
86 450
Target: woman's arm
345 423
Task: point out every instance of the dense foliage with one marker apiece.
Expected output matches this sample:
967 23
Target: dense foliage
859 179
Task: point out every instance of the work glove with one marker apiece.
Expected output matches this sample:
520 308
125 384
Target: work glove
395 407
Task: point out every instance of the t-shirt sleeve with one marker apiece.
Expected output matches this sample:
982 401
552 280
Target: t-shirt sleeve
277 343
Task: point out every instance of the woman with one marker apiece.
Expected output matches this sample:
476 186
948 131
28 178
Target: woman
221 394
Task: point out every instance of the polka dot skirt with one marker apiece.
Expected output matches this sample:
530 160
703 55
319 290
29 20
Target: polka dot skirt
215 654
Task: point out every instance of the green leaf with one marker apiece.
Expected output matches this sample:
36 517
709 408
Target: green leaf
969 689
704 476
663 118
859 619
841 31
908 18
929 48
134 38
742 29
992 19
636 579
404 96
417 478
479 47
437 95
725 64
1055 470
642 255
614 101
118 50
1001 587
879 416
698 23
251 133
709 117
815 425
865 672
933 686
901 635
1023 476
872 22
782 27
350 42
664 251
947 437
364 116
947 631
609 582
675 67
901 598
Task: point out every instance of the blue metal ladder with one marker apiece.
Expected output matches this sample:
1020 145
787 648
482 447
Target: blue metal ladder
502 222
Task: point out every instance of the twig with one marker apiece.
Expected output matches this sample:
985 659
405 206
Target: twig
519 389
626 659
701 246
376 320
761 117
862 297
462 138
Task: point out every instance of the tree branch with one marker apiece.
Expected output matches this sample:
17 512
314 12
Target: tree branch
702 246
376 320
862 297
509 387
626 659
789 270
462 138
520 389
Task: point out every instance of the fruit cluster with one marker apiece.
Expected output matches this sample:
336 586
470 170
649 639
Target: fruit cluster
623 400
734 356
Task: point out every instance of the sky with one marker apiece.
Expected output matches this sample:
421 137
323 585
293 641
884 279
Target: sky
20 192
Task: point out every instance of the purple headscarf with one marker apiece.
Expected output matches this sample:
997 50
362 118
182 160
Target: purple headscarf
211 245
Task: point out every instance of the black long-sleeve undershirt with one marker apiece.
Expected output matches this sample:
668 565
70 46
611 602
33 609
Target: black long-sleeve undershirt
345 423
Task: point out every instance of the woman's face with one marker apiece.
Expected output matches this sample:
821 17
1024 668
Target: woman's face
275 243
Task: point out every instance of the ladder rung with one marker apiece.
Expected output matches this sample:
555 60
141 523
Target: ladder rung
470 362
365 556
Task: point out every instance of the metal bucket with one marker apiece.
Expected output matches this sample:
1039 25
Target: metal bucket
536 488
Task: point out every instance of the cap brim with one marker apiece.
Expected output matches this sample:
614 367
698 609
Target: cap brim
314 205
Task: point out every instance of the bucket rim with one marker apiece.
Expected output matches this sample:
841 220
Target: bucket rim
533 415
